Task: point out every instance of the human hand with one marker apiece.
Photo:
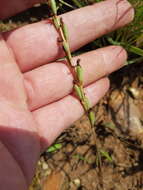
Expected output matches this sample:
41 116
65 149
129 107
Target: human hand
36 103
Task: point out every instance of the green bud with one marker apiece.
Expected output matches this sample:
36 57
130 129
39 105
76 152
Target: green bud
78 91
65 30
86 103
54 7
92 117
79 72
67 50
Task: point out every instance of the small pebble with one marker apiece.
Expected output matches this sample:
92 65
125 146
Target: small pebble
45 166
77 182
47 172
134 92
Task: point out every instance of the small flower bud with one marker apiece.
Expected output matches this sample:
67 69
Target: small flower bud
79 72
92 117
54 7
78 91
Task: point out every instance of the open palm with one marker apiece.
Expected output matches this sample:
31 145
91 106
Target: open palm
36 103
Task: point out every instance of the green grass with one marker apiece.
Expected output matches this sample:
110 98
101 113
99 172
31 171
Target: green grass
130 37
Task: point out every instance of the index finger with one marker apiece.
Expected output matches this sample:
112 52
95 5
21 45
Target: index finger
12 7
36 44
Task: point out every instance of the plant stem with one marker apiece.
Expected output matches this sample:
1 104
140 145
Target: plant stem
77 3
75 69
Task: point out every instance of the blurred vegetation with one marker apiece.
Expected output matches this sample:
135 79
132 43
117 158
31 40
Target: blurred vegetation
130 37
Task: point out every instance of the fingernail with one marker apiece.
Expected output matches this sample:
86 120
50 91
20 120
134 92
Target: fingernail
115 58
124 13
120 55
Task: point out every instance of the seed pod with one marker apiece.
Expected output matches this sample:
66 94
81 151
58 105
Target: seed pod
67 50
86 103
91 117
79 71
78 91
65 29
56 21
54 7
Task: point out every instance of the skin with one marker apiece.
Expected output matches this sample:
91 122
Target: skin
36 91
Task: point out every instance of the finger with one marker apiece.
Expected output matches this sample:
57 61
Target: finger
54 118
9 8
11 89
54 81
17 129
36 44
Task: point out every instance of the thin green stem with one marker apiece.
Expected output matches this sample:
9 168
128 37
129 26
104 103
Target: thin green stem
77 3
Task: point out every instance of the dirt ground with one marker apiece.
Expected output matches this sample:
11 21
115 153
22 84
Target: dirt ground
110 156
119 131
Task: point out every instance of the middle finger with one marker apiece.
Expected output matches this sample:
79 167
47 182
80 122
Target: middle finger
52 82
